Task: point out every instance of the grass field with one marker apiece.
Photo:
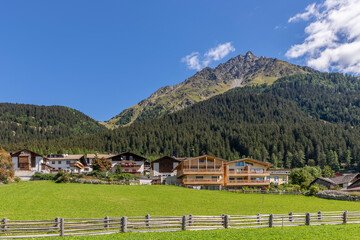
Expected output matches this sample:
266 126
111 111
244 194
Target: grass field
47 200
303 232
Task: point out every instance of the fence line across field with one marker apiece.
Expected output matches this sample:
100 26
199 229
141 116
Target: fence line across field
10 229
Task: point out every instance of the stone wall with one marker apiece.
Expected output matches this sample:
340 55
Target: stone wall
338 195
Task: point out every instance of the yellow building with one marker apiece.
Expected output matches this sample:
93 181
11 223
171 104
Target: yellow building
279 176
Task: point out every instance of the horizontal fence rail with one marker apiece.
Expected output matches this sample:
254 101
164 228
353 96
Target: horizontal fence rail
10 229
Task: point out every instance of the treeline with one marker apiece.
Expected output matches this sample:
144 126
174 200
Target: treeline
297 121
24 122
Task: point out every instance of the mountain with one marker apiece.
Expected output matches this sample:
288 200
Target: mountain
23 122
308 119
238 71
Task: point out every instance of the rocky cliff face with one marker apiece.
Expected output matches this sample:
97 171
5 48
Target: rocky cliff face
238 71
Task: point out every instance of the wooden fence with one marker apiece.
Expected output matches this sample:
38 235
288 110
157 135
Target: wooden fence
108 225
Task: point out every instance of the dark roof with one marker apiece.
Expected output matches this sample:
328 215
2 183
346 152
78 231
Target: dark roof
17 151
346 178
172 158
128 153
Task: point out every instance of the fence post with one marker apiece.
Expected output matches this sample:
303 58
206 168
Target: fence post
290 216
62 227
345 216
307 219
258 218
107 222
190 219
226 221
124 223
4 221
183 223
147 221
57 223
319 215
271 220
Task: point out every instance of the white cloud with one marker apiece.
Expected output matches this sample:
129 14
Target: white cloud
197 61
333 36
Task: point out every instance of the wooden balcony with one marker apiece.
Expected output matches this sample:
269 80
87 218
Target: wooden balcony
198 171
247 182
247 173
203 181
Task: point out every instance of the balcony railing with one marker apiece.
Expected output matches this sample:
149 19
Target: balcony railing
243 172
199 171
248 182
203 181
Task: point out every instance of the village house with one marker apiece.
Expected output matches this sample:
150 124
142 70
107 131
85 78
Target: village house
247 172
279 176
343 181
164 166
129 163
26 160
164 170
204 172
66 162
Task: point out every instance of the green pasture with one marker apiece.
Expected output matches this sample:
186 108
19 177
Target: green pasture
47 200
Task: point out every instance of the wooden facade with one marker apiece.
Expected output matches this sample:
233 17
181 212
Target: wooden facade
164 166
247 172
26 160
205 171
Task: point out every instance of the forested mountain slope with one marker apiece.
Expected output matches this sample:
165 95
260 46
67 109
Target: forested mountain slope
238 71
303 119
23 122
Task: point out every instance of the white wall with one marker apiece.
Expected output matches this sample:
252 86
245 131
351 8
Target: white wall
15 161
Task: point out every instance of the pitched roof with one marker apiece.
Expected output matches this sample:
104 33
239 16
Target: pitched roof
93 155
130 154
66 157
252 160
172 158
17 151
346 178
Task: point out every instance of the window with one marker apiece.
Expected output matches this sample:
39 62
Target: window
231 178
59 162
239 164
248 164
268 178
199 177
239 178
53 162
201 160
276 178
67 162
231 169
131 157
214 177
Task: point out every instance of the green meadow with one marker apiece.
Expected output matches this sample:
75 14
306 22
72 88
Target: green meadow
47 200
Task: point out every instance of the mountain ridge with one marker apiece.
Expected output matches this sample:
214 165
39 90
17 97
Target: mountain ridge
238 71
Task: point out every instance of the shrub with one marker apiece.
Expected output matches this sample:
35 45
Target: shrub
62 177
313 190
17 179
43 176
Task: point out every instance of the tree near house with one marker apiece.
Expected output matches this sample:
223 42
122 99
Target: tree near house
101 164
6 166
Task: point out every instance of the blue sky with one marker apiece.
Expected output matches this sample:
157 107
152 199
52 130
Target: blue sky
101 57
